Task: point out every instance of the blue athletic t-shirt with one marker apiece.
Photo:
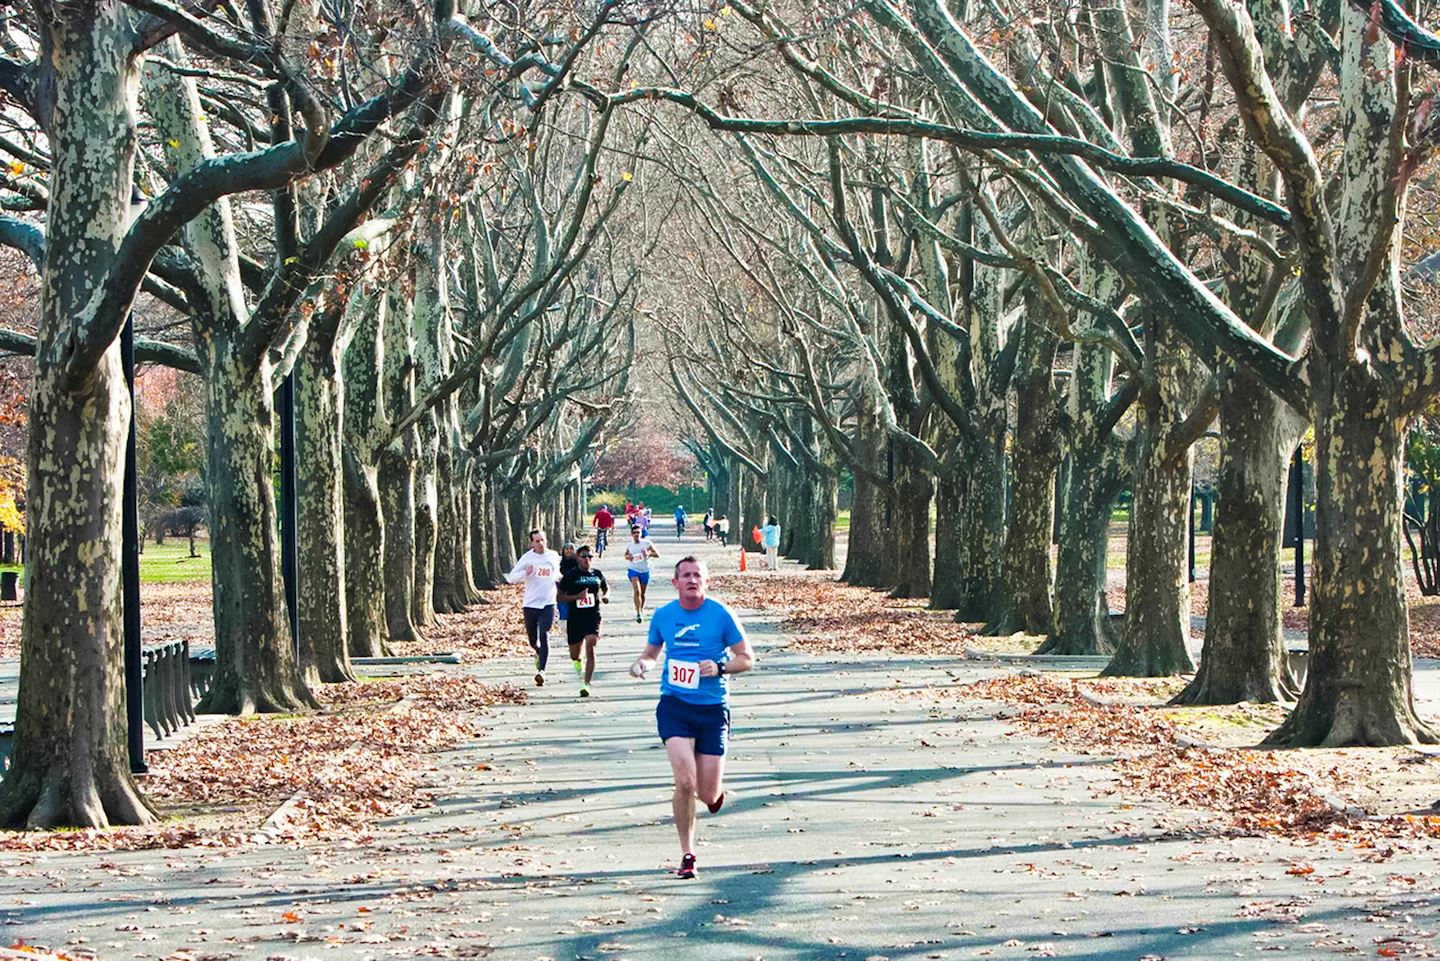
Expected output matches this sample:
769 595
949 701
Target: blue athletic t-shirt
689 637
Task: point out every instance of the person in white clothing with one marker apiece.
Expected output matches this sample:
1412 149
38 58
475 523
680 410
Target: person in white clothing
539 568
637 566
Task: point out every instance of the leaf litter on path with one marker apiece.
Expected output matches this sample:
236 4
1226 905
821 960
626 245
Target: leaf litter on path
364 758
825 616
1297 795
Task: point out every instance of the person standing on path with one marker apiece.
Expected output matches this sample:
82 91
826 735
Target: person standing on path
679 521
584 590
722 528
604 524
709 524
539 568
770 540
704 644
637 566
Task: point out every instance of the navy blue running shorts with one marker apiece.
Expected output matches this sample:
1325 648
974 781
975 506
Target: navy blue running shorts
642 576
708 724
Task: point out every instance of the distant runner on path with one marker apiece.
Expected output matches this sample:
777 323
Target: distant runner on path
704 644
539 568
679 522
584 590
637 567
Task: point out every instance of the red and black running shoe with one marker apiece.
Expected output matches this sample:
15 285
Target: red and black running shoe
687 867
719 803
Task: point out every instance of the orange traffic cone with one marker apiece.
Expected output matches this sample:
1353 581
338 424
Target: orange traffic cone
742 558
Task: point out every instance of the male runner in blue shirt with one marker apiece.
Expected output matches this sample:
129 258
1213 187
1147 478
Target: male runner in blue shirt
704 644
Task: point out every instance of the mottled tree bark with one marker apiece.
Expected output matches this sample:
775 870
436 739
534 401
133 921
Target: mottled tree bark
1157 575
324 633
946 590
1244 655
69 765
397 506
865 564
397 470
255 665
1358 687
1024 604
910 529
978 573
482 533
1081 617
364 540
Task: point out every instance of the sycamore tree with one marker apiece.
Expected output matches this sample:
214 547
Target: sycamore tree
1361 372
255 98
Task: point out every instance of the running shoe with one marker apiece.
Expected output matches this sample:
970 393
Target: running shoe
579 669
584 690
719 803
687 868
638 618
539 679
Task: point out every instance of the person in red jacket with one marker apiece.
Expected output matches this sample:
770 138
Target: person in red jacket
604 523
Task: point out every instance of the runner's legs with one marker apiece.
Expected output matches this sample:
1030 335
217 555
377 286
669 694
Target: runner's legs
709 777
591 642
538 621
681 751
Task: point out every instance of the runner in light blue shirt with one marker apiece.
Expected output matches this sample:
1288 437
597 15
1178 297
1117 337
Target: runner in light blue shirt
704 644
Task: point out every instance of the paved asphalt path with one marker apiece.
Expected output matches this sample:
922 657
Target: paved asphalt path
863 822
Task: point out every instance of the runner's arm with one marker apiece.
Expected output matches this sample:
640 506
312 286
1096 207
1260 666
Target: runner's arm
645 661
518 572
742 659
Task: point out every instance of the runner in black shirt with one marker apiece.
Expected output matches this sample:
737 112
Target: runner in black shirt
584 590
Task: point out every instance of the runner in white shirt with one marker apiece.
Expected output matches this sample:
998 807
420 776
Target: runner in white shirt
637 565
539 568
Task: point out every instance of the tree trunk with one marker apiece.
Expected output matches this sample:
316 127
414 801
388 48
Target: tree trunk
946 589
752 506
255 665
427 510
503 543
914 489
1025 567
1358 688
1081 617
364 560
820 549
320 514
865 562
69 766
362 423
978 576
454 584
482 533
397 468
1157 581
397 506
1244 654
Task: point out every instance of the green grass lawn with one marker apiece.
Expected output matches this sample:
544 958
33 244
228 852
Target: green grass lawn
168 563
842 521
